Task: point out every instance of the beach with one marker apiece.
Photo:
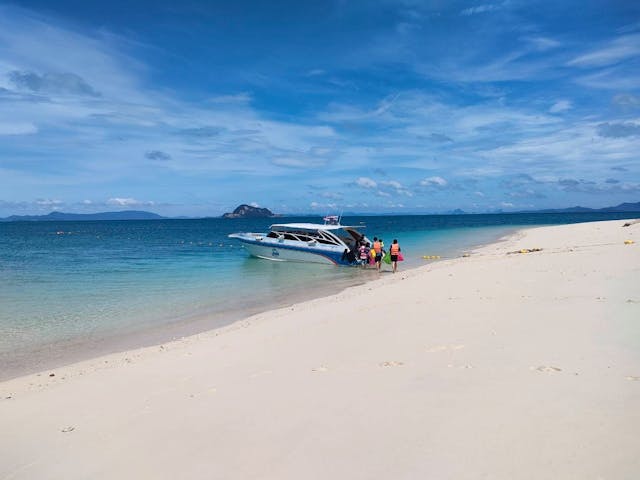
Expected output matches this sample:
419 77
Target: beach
519 361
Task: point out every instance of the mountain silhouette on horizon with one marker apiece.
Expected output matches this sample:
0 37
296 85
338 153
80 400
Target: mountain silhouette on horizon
246 211
623 207
61 216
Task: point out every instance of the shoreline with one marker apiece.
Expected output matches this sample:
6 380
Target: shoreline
502 365
59 354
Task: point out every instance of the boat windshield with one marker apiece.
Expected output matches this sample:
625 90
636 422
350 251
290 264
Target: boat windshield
303 235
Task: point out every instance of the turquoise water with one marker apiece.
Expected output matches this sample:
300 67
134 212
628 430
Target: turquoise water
87 286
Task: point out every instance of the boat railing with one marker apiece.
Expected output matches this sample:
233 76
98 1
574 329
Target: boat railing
331 220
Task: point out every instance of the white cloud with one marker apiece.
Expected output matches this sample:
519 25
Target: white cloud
128 116
627 100
392 183
349 113
49 202
332 195
620 49
564 150
542 44
561 106
31 43
397 187
323 206
479 9
479 117
366 182
128 202
614 78
433 182
51 83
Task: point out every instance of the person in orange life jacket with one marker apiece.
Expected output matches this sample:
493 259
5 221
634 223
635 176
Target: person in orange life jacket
377 246
394 251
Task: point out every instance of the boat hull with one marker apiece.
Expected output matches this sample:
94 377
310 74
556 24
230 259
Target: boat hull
288 254
280 252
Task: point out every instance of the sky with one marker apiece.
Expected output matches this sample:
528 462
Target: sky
191 108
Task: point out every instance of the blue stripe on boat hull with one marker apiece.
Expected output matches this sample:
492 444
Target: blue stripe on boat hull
291 253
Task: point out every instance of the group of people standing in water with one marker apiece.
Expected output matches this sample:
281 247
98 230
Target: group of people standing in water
373 254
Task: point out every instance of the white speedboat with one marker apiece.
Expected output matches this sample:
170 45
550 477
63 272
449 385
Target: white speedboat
330 242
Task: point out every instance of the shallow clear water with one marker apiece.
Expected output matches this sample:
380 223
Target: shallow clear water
74 283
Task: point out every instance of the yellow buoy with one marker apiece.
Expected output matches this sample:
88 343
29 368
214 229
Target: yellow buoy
628 242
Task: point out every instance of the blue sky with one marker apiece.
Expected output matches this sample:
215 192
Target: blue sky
192 107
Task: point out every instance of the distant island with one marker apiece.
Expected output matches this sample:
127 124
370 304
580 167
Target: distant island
623 207
61 216
247 211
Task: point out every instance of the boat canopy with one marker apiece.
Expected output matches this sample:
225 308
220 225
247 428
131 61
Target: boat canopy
327 234
312 226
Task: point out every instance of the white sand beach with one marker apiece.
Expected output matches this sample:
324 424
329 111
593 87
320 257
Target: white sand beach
497 366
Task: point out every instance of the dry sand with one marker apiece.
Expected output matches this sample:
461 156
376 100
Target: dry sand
495 366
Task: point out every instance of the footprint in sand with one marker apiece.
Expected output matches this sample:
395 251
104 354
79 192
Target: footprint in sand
68 429
320 369
632 378
391 364
545 368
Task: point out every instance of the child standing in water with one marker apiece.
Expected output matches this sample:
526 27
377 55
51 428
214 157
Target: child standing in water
395 252
377 246
364 254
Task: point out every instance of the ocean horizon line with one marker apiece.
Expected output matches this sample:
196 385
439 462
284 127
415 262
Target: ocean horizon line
56 215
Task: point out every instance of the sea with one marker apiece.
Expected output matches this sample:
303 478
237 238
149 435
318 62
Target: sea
72 290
